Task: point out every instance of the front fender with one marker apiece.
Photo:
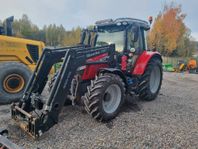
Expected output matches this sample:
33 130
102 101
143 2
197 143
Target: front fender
143 60
114 71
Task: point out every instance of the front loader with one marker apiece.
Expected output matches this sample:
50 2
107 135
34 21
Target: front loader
97 75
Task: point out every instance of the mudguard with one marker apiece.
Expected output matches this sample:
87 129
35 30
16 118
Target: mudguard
114 71
143 60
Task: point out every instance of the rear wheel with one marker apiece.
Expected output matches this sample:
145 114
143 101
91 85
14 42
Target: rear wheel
151 80
13 80
104 97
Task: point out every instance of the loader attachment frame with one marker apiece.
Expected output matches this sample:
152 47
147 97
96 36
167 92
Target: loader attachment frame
73 58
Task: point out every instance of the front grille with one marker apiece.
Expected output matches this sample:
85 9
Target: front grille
34 52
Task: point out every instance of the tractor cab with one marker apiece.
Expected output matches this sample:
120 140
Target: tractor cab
126 33
129 37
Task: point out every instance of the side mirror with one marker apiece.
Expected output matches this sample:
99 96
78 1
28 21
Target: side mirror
150 19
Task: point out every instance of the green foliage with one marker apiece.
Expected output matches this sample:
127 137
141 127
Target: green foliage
24 28
72 37
51 35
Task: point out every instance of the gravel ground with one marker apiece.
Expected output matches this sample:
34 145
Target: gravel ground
171 121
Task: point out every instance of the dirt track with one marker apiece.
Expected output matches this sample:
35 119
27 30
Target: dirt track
171 121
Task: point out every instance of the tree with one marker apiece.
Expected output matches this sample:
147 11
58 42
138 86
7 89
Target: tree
25 28
169 34
52 34
72 37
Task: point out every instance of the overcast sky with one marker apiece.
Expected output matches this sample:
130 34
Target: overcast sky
72 13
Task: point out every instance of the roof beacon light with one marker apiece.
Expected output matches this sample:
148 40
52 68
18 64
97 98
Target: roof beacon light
150 19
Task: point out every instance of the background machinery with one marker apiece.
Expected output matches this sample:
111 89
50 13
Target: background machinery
192 66
109 63
188 65
18 58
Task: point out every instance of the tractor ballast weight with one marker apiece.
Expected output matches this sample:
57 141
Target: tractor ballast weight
97 75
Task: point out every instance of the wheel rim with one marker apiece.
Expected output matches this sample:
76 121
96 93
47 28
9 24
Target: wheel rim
13 83
112 98
155 78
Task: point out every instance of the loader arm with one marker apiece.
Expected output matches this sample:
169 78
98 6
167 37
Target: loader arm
48 109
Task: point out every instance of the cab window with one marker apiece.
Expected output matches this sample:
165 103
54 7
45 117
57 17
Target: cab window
135 39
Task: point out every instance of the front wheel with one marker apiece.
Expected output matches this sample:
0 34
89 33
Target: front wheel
151 80
105 97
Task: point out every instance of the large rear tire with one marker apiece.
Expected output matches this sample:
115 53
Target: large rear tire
105 97
151 80
14 77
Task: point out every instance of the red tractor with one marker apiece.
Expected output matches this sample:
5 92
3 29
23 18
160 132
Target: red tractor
110 62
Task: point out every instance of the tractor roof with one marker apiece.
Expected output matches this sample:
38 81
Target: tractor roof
123 21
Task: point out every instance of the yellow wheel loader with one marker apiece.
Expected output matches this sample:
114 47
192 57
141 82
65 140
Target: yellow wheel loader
18 58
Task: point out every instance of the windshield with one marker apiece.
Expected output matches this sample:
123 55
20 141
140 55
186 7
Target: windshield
106 38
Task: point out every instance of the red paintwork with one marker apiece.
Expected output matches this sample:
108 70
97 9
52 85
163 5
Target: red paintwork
124 63
142 62
91 70
140 66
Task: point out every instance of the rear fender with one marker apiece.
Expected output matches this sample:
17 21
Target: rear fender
143 60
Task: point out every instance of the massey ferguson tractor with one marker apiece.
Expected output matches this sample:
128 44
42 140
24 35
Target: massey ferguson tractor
109 63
